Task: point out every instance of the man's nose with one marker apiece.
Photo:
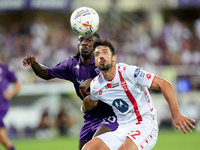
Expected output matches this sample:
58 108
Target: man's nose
101 56
84 42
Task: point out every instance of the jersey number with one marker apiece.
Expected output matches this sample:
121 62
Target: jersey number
108 120
134 133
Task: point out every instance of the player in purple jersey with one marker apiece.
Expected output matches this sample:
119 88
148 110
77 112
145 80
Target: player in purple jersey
6 77
78 69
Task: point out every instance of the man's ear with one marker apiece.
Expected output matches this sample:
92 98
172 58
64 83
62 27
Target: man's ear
114 58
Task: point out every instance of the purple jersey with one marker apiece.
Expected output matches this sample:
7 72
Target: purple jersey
6 77
73 70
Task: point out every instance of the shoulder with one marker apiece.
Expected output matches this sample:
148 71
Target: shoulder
6 68
71 61
126 68
97 83
96 80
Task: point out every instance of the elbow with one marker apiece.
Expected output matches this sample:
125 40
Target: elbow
166 86
44 76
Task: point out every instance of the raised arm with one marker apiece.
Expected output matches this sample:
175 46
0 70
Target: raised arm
179 121
88 104
39 69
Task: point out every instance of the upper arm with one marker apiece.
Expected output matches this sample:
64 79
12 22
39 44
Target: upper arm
61 71
159 83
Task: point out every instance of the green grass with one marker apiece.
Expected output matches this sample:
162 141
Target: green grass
173 140
60 143
167 140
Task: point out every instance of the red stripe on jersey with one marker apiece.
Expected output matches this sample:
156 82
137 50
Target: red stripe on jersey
130 97
152 80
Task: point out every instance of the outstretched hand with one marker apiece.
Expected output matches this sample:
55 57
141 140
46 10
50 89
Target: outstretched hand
29 60
182 122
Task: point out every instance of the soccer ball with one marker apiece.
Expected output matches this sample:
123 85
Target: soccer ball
84 21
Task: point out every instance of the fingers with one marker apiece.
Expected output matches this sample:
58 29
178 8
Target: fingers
81 93
191 120
183 128
190 124
184 125
187 124
28 60
177 127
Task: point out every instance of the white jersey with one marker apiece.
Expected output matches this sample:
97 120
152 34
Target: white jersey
127 93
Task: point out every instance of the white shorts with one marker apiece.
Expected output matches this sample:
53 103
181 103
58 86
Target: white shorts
143 135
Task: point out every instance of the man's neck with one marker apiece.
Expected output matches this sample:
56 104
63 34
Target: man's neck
108 75
86 60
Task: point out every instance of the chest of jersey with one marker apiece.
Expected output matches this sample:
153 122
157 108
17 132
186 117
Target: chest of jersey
120 94
82 73
127 93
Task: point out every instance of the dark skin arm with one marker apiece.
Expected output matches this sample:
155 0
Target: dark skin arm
180 121
84 87
39 69
88 104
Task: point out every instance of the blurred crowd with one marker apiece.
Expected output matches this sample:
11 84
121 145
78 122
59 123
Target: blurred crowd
52 42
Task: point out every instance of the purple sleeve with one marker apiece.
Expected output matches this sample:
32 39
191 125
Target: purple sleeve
61 70
11 76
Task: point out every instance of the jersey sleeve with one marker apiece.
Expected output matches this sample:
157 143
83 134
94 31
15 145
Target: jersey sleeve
11 75
61 70
142 77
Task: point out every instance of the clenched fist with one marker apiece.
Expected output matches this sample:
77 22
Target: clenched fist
29 60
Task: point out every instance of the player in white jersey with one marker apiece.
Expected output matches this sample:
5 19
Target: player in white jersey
125 88
127 93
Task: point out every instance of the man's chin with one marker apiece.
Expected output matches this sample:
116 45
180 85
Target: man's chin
86 54
104 68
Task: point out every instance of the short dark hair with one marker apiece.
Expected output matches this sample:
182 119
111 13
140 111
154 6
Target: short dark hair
96 35
105 42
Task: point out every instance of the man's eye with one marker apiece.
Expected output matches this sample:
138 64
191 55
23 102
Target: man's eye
96 54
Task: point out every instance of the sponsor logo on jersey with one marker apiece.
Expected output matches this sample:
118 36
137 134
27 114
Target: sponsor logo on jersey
109 85
77 66
100 92
148 76
97 70
121 105
80 82
136 72
142 74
